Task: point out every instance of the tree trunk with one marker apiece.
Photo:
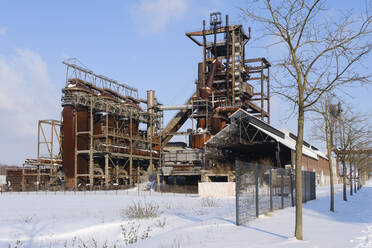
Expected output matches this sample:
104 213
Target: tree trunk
344 177
328 141
355 190
351 178
300 132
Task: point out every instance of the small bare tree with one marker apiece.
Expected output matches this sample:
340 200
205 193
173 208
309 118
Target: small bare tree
360 160
325 120
359 155
364 168
321 53
353 137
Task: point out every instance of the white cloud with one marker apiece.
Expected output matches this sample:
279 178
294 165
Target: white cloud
154 15
3 31
26 96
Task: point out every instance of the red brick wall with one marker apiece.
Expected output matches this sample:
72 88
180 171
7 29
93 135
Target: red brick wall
309 164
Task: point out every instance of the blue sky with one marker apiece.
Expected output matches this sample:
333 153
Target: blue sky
140 43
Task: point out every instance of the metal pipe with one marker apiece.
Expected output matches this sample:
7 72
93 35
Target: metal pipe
233 68
226 109
227 58
150 101
204 55
176 107
150 126
91 162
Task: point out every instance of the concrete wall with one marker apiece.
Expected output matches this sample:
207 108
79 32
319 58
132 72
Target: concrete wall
216 189
2 179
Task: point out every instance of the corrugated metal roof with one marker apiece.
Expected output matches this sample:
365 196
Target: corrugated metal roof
291 144
281 136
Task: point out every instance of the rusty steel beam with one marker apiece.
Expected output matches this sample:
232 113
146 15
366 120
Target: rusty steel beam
218 30
176 123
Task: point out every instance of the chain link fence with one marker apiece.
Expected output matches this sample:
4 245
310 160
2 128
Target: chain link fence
261 189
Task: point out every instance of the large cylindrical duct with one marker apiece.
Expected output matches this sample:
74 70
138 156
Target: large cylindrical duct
150 110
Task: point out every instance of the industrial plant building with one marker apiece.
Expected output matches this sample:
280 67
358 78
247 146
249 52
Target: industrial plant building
109 137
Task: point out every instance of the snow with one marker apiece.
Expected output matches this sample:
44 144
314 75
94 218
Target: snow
289 142
39 219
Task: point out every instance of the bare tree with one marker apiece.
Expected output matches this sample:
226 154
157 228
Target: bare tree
328 113
364 169
353 137
321 53
360 161
360 156
351 170
355 178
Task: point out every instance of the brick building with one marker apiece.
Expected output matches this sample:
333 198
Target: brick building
249 139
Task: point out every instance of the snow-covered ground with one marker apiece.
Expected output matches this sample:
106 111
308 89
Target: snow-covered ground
74 220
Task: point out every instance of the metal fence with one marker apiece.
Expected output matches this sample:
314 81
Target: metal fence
261 189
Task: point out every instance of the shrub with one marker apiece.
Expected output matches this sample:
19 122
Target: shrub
161 223
139 211
132 235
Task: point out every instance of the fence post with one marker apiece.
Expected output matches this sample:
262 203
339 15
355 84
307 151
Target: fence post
257 203
307 181
282 187
314 186
307 186
291 182
237 193
271 188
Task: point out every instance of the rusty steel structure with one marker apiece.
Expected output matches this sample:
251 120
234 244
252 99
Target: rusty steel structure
103 143
110 136
45 170
227 81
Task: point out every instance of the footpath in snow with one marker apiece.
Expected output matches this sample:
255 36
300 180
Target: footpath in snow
68 219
